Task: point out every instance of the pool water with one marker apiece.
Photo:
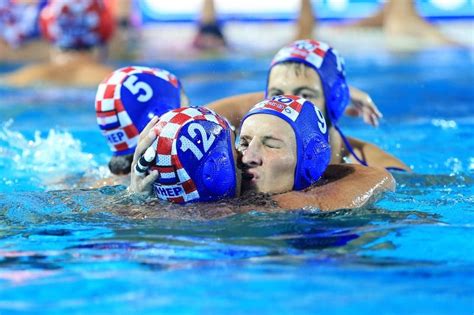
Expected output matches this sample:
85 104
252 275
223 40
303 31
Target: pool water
410 252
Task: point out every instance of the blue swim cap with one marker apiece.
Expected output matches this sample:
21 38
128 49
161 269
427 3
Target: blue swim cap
127 100
311 132
194 156
329 66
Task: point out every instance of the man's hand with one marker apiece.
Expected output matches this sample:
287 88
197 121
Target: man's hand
362 106
142 180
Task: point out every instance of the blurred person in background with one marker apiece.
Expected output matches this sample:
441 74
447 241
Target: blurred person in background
75 29
20 37
209 35
400 22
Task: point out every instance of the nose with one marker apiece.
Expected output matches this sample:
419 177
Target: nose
252 156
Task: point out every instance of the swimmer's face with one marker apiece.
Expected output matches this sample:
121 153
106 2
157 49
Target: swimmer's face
297 79
268 147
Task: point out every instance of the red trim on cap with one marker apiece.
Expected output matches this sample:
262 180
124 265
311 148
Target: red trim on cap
189 186
164 146
131 131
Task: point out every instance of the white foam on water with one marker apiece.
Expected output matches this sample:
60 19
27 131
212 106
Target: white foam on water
471 164
444 124
57 153
455 165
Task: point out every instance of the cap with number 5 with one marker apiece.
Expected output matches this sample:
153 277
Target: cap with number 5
128 99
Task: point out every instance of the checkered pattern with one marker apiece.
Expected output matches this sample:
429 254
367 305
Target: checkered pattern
308 50
110 112
17 21
288 105
172 173
76 23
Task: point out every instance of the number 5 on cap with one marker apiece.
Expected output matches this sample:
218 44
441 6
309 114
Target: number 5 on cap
135 87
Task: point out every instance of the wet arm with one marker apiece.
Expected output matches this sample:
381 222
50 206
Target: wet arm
344 187
235 107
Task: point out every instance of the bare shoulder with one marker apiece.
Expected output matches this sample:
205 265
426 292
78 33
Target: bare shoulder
343 186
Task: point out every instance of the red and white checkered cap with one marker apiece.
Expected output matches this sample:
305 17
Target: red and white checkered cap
309 50
115 122
168 163
288 105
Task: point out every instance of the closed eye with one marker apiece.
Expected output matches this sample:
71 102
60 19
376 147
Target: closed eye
272 143
307 93
275 92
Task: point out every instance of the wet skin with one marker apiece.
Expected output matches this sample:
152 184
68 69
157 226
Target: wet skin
268 148
299 80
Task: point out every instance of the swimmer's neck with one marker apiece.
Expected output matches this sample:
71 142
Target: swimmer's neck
61 57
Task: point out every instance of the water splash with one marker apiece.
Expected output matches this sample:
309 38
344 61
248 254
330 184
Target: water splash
56 155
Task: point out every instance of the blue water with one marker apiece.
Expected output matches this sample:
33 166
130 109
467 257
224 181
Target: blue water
410 252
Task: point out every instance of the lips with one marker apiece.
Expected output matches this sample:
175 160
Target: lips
249 174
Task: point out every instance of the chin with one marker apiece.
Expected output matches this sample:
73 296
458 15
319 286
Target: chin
248 187
274 191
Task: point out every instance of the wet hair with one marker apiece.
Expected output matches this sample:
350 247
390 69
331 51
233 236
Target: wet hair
299 69
121 164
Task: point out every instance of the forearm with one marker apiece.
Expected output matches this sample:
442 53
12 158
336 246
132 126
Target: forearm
345 187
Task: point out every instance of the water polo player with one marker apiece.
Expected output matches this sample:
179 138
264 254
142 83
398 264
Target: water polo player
347 185
191 159
314 70
74 29
126 101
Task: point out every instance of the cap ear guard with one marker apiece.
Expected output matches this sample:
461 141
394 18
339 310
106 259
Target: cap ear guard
336 91
214 175
315 160
312 132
